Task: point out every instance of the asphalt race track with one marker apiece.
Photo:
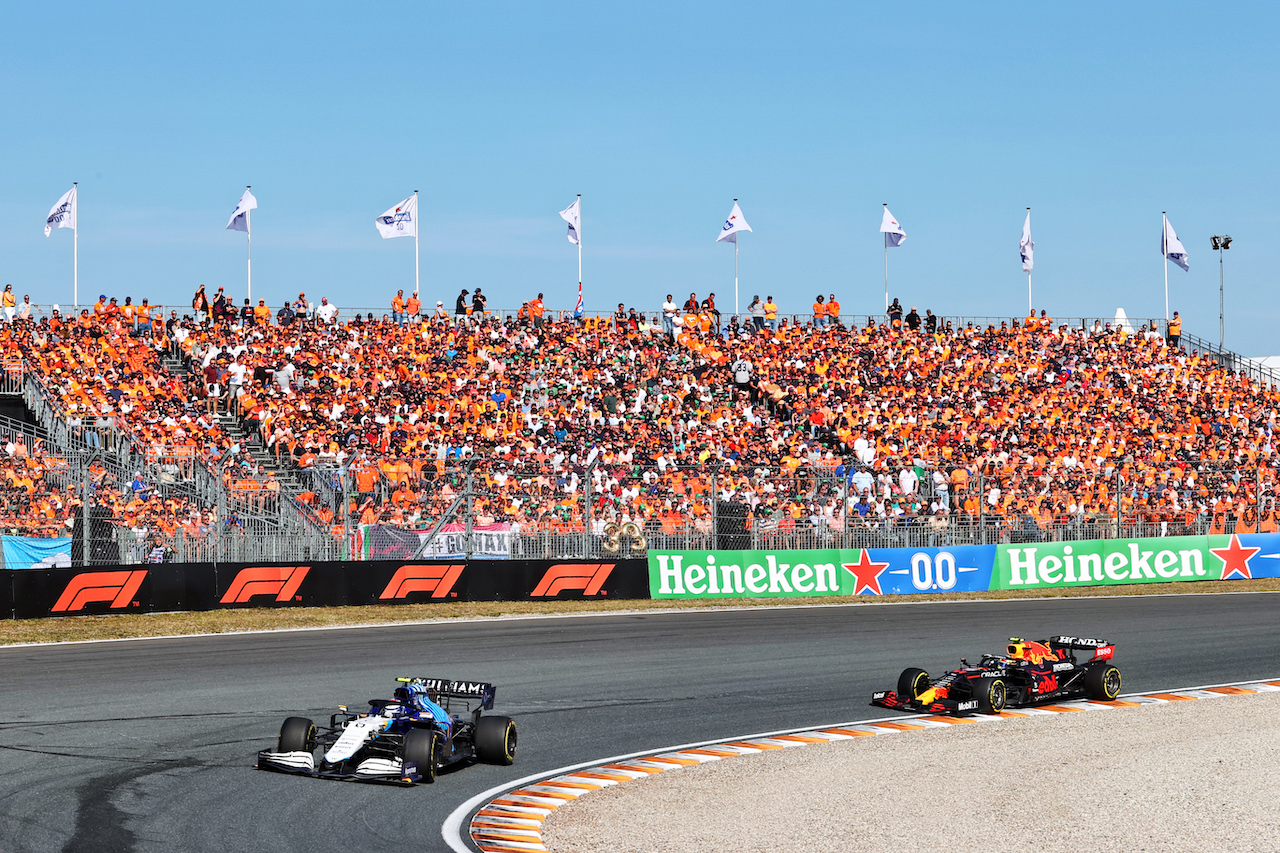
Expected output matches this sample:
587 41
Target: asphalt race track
149 745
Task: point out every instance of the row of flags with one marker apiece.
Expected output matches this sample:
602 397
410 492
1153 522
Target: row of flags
401 220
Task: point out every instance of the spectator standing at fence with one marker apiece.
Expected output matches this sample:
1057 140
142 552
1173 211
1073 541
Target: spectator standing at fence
285 316
833 311
1175 331
200 305
913 319
26 308
441 314
771 313
398 308
819 312
413 307
479 304
301 308
709 306
669 310
246 314
930 322
10 303
537 309
756 310
462 307
327 313
895 314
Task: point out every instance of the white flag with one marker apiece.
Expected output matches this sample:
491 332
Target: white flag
893 233
1172 247
1028 247
240 218
399 221
63 214
572 214
732 225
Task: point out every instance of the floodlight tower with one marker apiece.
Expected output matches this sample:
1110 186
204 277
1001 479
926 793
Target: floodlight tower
1220 242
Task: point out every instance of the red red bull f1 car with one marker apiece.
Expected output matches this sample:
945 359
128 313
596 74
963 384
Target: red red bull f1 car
1030 672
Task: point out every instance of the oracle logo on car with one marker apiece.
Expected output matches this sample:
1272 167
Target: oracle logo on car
435 579
280 581
588 577
119 588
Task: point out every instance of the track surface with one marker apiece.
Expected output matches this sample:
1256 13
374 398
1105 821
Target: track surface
148 746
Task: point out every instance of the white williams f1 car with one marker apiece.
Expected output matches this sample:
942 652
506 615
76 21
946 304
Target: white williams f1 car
430 723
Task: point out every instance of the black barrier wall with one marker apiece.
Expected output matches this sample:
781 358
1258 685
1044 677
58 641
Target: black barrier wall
152 588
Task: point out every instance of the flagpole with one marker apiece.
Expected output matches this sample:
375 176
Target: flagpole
1164 250
75 250
248 232
886 266
579 245
416 210
735 267
1030 304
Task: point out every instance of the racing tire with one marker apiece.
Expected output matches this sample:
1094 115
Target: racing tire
423 747
992 695
913 682
297 734
496 740
1102 682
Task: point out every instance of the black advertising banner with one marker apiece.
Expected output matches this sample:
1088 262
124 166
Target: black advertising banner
151 588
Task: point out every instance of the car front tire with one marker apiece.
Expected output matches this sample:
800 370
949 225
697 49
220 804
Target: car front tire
992 695
422 746
913 682
298 734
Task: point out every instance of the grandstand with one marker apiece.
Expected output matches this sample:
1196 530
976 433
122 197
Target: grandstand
216 438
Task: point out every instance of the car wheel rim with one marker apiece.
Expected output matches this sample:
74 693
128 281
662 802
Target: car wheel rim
1112 683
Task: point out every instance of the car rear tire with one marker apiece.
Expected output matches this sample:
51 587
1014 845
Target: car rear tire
423 747
992 695
1102 682
496 740
298 734
913 682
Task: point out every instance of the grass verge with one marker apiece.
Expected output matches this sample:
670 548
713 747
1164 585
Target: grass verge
126 625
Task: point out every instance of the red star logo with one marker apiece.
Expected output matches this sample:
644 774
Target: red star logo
866 573
1235 558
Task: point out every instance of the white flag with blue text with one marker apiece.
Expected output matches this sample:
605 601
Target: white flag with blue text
572 214
732 225
893 233
240 218
63 214
399 221
1172 247
1027 246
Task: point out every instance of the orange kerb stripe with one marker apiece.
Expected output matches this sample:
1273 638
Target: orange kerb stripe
527 839
583 785
853 732
501 848
1061 709
1171 697
955 721
1230 691
616 777
750 745
549 806
902 727
522 815
683 762
522 792
801 739
723 753
638 769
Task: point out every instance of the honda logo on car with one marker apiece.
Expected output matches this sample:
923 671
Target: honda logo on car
675 578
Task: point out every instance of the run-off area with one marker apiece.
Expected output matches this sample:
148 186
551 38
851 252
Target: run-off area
1186 775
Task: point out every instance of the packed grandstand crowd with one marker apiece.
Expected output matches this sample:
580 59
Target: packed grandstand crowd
912 420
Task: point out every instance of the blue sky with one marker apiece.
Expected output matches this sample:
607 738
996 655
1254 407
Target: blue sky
1097 115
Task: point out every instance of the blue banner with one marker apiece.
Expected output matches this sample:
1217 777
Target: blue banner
22 552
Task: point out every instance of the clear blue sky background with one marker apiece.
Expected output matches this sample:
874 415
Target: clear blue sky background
1097 115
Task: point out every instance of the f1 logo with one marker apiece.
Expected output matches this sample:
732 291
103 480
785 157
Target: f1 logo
280 581
588 577
119 588
436 579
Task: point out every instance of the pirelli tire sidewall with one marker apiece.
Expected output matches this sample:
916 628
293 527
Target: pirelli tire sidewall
992 693
1102 681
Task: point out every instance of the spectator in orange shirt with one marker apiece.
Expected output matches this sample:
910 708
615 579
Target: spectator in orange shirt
413 307
833 310
819 313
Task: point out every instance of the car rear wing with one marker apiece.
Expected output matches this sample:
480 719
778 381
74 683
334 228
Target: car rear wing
454 689
1102 649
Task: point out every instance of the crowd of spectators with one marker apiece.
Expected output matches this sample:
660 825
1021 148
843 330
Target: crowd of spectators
818 421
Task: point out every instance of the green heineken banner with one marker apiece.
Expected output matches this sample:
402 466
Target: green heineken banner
962 568
1124 561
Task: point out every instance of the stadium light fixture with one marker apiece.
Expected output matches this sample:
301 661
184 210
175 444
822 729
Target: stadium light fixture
1220 242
